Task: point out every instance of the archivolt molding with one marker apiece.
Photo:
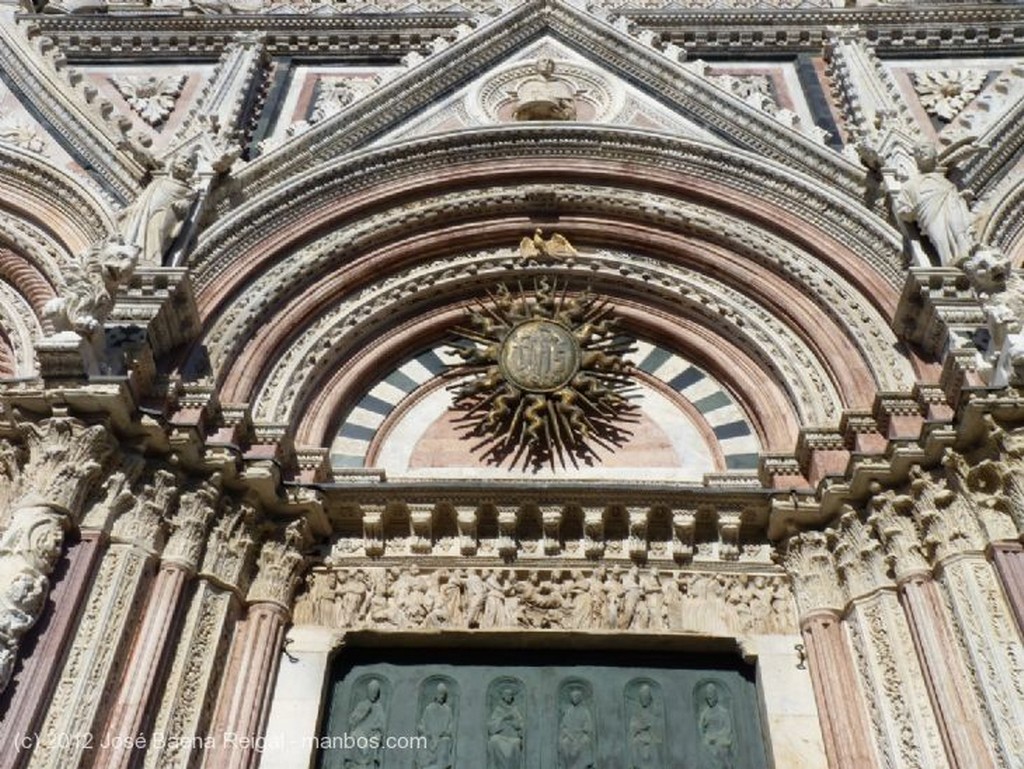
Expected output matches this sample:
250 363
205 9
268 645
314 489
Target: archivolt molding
311 201
854 316
20 326
41 76
54 202
25 276
350 323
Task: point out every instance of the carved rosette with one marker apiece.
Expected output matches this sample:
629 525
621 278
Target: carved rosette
544 376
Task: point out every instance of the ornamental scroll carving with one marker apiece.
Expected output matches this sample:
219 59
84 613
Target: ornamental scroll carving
565 599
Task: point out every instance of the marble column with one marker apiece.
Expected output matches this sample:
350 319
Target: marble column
243 703
23 702
837 691
949 687
1008 558
197 664
148 658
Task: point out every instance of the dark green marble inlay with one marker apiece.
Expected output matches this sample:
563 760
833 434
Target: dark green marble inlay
519 709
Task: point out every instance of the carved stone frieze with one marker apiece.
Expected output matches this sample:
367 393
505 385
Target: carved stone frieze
602 598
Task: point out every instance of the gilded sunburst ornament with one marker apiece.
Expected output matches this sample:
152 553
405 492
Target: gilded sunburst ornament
543 377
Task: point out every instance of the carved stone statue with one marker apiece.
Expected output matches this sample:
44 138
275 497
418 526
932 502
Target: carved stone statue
28 549
154 219
576 736
934 203
545 96
437 724
716 731
505 726
366 724
645 731
89 295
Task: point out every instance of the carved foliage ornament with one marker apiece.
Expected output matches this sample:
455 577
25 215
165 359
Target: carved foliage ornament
945 93
151 96
543 376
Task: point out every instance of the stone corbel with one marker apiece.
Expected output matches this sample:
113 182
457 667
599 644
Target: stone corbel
420 519
466 517
684 525
729 535
508 517
638 518
593 531
373 529
551 521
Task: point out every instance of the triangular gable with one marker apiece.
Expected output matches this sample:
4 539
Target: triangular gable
681 89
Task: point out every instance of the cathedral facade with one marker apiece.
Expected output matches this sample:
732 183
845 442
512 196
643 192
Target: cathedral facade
511 385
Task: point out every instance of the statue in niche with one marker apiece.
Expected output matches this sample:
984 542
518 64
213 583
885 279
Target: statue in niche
646 730
366 725
937 207
437 725
576 736
155 217
505 727
544 95
715 726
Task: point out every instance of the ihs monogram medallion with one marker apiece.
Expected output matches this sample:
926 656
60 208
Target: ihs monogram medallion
543 377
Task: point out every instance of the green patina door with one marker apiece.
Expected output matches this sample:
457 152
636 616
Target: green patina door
528 709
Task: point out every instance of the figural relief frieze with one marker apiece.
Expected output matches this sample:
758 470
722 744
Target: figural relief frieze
578 599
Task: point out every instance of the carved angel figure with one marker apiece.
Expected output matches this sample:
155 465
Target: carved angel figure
556 248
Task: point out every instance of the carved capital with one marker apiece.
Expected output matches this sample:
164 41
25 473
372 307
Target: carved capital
815 581
279 568
189 526
890 516
230 547
65 458
859 555
944 516
144 523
